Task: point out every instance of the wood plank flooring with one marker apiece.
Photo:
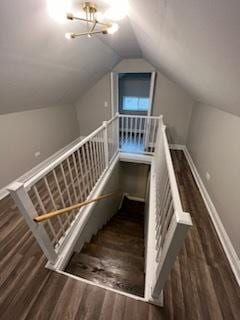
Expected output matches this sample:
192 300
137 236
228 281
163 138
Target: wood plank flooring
115 256
201 284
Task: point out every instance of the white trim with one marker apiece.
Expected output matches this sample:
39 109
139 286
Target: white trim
222 234
135 158
127 195
114 92
150 259
129 295
151 93
121 202
177 147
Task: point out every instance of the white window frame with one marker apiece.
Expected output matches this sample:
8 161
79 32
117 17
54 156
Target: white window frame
114 76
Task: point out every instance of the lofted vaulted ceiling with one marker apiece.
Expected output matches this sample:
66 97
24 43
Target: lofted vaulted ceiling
40 68
196 43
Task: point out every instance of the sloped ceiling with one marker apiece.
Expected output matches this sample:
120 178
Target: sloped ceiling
40 68
196 43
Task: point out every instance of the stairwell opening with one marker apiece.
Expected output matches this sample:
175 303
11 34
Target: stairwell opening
110 251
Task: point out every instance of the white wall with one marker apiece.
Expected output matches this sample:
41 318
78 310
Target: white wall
24 133
176 107
133 178
91 111
133 65
213 143
170 100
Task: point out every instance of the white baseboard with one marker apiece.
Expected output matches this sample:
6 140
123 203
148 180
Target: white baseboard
177 146
127 195
121 202
222 234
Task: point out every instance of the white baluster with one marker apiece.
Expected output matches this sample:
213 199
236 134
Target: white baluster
28 212
105 141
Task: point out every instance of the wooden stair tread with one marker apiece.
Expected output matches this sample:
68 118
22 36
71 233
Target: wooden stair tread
126 238
118 228
107 253
127 223
94 264
120 238
111 279
123 246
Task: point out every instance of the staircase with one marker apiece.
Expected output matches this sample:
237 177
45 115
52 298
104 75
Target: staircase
115 256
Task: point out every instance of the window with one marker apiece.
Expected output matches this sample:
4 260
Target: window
135 103
134 93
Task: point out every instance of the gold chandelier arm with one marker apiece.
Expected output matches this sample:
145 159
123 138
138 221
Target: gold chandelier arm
72 17
93 27
75 35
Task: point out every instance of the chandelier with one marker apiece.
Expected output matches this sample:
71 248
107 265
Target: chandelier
92 23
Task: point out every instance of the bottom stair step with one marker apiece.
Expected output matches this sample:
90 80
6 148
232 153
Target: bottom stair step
122 258
107 273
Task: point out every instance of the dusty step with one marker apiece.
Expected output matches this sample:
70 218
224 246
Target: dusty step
127 222
107 265
102 272
137 229
121 237
120 258
133 247
124 229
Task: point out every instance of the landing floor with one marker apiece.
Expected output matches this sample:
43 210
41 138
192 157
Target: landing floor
201 284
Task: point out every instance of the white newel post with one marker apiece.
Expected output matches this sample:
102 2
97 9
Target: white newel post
105 141
28 212
173 243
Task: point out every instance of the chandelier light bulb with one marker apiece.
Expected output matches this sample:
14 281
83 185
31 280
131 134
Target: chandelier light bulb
69 16
114 28
117 11
57 10
69 35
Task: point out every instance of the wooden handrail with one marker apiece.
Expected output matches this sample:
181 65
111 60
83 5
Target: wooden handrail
56 213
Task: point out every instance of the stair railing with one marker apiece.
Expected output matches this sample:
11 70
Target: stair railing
76 174
56 213
71 178
171 223
138 134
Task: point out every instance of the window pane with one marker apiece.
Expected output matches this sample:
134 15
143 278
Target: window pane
143 104
130 103
135 103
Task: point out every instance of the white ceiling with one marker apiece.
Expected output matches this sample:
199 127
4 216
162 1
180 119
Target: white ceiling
40 68
196 43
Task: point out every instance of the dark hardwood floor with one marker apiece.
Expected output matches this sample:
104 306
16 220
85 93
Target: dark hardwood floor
200 286
115 256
